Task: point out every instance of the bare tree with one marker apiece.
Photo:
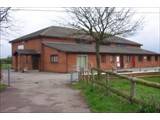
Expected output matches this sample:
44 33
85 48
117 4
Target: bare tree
4 17
3 20
102 23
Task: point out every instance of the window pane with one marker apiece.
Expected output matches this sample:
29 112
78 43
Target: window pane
54 58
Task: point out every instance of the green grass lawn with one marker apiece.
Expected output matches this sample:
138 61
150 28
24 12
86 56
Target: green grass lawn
99 102
5 66
2 87
152 78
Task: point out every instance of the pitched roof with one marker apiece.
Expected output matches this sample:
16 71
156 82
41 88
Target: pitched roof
120 40
64 32
90 48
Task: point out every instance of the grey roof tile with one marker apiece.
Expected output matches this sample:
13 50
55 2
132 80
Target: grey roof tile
90 48
64 32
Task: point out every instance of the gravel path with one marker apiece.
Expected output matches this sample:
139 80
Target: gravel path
41 92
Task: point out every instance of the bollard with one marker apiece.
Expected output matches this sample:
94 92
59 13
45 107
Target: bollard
8 76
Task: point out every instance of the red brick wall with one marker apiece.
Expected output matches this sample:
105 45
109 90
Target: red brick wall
36 45
30 44
71 62
146 63
67 61
54 67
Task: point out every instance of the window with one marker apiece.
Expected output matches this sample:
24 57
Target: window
54 58
140 58
156 58
148 58
128 59
103 58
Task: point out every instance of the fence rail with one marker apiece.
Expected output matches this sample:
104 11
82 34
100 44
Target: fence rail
133 79
89 76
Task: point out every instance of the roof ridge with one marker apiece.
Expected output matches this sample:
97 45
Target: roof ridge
32 33
49 28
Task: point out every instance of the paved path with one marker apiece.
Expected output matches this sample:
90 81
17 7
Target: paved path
41 92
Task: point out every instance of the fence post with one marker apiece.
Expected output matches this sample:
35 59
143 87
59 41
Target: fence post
8 76
81 74
133 89
87 76
71 77
92 79
107 83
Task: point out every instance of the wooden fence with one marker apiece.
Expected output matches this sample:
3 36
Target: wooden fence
90 77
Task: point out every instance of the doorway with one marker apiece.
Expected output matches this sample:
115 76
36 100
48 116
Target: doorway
133 61
16 63
35 62
82 61
119 61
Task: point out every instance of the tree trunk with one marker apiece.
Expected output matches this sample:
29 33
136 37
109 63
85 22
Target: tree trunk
98 56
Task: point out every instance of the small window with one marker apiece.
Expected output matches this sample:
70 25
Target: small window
140 58
54 58
148 58
128 59
156 58
103 58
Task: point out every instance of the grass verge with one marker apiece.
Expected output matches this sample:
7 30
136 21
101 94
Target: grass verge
98 101
5 66
152 78
2 87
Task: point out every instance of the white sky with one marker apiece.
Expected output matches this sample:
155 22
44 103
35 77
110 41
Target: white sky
29 21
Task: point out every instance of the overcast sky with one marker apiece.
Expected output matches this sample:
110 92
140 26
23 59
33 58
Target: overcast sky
27 21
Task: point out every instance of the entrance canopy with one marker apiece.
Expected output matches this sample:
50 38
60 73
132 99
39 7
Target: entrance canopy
26 52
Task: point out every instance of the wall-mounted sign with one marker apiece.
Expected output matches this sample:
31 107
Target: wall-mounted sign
20 47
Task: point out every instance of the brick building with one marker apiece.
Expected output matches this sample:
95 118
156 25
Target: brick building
60 49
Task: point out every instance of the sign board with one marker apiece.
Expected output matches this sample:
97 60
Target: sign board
20 47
